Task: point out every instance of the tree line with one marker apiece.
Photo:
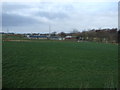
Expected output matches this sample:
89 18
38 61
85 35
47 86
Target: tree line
97 35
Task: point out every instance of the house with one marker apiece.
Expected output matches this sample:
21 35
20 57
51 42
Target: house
56 38
68 37
37 37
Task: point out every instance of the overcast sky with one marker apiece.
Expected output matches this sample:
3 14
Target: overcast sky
64 16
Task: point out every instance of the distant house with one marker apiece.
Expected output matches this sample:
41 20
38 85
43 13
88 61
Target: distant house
56 38
37 37
70 37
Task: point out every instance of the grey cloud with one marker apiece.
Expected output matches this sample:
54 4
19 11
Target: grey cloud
16 20
68 7
11 7
63 6
64 15
52 15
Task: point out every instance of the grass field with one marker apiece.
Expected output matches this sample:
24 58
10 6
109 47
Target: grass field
50 64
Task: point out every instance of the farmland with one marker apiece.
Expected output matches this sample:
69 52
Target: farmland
54 64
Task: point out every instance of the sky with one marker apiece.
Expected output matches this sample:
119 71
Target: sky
36 17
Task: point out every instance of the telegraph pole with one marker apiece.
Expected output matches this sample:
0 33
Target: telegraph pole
7 30
49 30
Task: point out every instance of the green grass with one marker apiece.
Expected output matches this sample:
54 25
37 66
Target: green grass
13 37
48 64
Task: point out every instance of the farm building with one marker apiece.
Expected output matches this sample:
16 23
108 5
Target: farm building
37 37
56 38
70 37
